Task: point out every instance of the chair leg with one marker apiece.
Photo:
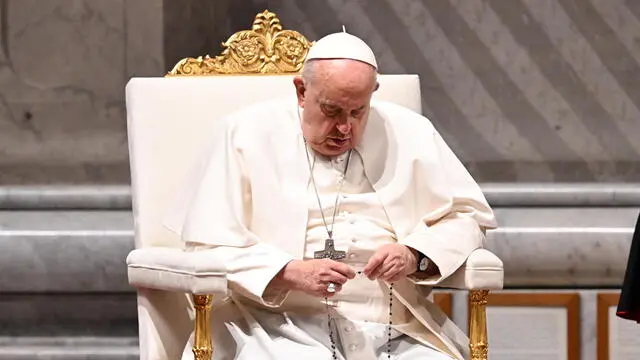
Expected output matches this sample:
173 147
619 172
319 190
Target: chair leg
202 347
478 343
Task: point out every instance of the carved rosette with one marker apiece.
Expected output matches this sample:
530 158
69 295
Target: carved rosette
202 353
479 297
202 301
479 351
265 49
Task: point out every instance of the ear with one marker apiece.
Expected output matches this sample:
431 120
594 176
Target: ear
300 90
377 86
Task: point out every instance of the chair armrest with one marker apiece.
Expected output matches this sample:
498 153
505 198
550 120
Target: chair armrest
172 269
483 270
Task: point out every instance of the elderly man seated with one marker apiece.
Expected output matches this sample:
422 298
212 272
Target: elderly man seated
335 215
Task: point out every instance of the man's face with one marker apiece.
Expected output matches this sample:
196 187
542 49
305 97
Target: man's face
336 104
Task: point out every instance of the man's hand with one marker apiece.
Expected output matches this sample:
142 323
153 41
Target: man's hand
313 276
392 262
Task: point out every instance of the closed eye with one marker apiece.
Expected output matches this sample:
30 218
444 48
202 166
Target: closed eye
330 111
357 112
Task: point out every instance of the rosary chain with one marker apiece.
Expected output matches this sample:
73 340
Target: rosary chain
330 322
390 321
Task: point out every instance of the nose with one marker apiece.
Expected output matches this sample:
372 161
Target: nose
344 127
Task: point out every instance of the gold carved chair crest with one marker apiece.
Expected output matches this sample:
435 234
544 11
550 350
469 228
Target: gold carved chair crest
265 49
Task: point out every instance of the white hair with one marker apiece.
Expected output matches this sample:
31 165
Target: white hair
309 71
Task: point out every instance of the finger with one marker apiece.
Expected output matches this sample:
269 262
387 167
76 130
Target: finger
399 276
334 277
343 269
392 274
323 290
386 265
329 294
389 267
374 262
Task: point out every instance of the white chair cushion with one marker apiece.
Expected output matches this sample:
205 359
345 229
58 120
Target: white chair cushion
175 270
482 271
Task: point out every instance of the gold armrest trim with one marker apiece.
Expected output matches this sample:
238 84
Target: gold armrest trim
478 342
202 346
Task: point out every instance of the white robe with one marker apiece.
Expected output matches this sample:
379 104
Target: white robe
361 227
249 202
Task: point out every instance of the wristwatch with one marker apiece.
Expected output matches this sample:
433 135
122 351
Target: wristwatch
423 262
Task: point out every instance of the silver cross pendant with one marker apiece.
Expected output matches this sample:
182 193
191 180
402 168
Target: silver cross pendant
329 252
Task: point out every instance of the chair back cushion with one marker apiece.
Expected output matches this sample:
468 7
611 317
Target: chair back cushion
168 122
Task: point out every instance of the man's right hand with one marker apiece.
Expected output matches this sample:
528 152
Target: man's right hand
313 276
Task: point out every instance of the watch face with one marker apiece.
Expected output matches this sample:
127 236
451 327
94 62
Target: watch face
423 264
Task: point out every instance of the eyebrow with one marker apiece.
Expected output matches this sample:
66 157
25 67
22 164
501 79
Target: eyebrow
330 105
337 107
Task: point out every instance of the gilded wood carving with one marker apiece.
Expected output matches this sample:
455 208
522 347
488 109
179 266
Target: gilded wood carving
265 49
478 342
202 347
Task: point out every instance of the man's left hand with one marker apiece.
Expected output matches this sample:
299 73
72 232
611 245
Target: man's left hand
391 262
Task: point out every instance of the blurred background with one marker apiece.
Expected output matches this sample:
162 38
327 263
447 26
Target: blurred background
539 98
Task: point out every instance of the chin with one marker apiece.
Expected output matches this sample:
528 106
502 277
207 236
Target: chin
334 151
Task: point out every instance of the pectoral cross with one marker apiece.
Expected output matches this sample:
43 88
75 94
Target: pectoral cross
329 252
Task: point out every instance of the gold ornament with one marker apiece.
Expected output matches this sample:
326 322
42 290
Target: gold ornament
265 49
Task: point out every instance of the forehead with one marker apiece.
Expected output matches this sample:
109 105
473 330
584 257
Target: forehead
346 96
336 80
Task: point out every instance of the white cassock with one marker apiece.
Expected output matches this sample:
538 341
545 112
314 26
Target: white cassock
252 201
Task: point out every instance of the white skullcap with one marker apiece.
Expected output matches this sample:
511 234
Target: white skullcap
342 46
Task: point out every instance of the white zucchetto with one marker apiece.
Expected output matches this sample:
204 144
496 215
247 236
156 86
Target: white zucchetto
342 45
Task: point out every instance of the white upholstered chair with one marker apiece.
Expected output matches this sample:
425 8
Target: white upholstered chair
167 121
